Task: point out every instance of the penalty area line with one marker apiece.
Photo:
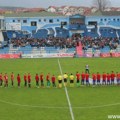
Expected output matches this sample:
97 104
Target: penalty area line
66 92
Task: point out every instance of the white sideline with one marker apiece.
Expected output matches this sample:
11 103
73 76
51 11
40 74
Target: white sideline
68 99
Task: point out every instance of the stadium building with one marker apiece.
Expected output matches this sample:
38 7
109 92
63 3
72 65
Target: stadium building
45 24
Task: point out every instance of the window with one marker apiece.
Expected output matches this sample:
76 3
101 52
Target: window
101 19
64 23
33 23
105 19
13 20
118 19
114 19
92 23
39 20
58 20
51 21
24 21
44 20
18 20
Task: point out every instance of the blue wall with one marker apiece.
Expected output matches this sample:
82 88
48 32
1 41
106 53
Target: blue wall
107 26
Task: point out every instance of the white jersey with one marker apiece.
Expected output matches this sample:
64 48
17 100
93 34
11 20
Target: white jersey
87 66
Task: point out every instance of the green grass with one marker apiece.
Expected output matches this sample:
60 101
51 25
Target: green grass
13 101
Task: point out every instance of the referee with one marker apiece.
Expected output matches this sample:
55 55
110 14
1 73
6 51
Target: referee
87 69
65 77
60 81
72 80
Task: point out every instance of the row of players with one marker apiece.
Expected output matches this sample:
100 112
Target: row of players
83 78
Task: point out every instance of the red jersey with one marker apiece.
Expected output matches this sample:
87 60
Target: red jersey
87 76
112 76
98 76
78 76
94 77
25 77
53 78
48 77
6 78
29 78
108 77
37 78
18 79
118 76
41 77
104 76
12 76
83 76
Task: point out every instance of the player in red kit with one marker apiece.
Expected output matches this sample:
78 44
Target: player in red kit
104 76
118 78
112 78
12 79
48 79
25 80
87 78
78 78
37 80
82 78
41 79
108 78
29 80
53 78
18 80
98 78
5 80
1 79
94 77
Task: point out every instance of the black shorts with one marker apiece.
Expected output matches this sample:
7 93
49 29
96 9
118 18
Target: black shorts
71 81
78 81
41 81
60 81
65 80
37 82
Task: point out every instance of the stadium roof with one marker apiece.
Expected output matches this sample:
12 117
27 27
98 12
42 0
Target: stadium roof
33 14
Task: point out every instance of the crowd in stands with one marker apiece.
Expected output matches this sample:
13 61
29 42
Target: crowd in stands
87 42
100 43
49 42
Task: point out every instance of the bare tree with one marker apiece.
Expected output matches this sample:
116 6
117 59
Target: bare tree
101 4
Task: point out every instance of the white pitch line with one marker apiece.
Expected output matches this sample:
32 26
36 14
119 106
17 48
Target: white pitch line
33 106
97 106
58 107
68 99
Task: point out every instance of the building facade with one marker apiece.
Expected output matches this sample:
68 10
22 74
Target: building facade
42 26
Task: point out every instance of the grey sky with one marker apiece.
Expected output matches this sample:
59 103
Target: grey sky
46 3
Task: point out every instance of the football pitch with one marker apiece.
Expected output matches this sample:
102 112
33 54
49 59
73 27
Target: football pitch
77 103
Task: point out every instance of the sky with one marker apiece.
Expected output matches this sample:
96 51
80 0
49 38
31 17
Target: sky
46 3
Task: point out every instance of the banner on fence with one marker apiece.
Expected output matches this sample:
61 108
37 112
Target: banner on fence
46 55
8 56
